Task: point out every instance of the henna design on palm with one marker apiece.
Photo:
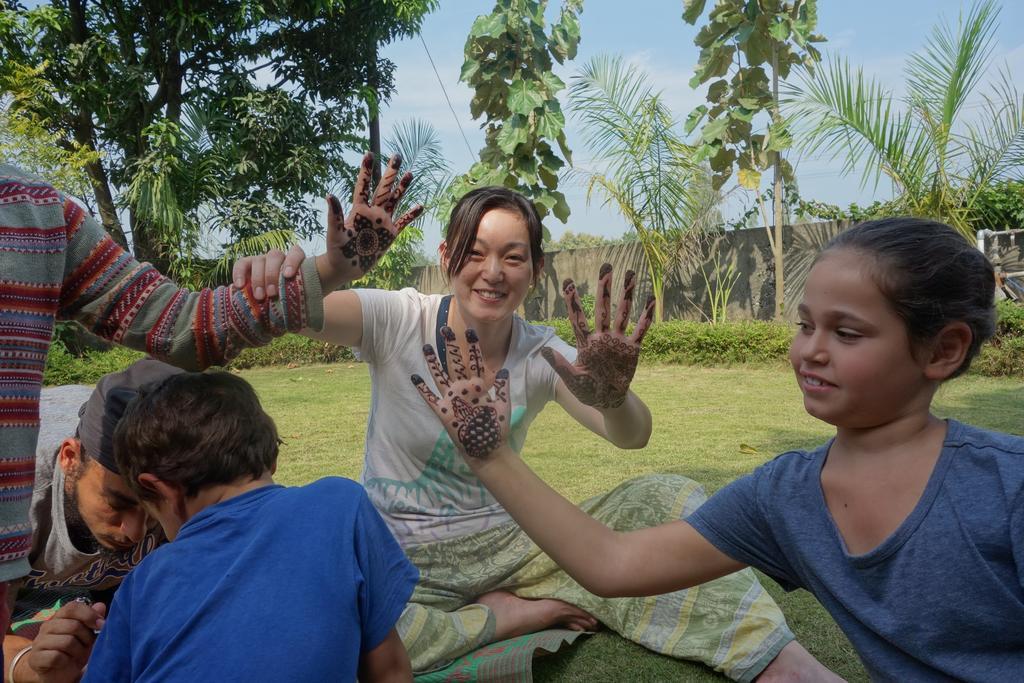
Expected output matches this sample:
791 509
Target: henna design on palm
476 420
356 242
606 359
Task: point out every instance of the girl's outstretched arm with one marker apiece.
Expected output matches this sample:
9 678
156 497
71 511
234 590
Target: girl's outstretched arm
605 562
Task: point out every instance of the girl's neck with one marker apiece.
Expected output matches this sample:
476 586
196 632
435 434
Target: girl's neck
495 336
902 436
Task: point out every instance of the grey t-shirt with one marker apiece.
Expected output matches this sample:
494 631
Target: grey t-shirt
56 562
941 598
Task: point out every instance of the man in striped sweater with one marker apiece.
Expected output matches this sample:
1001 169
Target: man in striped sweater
57 262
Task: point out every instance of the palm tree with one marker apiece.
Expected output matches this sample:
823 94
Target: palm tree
938 164
649 174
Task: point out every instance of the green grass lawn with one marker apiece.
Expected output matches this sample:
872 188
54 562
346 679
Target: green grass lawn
711 425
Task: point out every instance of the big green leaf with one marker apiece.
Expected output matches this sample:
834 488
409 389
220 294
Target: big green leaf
523 97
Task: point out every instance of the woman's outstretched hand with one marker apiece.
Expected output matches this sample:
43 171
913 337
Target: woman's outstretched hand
606 358
356 241
476 417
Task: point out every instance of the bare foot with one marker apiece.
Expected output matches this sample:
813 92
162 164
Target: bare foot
794 664
514 616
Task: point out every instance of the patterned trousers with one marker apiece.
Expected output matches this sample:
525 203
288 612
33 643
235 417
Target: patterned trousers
730 624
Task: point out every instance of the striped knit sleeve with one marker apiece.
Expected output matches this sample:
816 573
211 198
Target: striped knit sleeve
132 304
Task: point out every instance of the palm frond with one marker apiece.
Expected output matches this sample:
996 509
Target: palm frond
420 148
220 270
943 74
845 114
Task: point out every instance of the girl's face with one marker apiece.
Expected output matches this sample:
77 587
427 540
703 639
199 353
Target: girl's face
498 274
852 354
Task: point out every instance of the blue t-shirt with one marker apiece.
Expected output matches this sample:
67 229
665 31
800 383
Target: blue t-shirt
277 584
942 597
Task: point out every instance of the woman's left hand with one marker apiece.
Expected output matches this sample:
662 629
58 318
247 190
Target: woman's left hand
606 358
477 419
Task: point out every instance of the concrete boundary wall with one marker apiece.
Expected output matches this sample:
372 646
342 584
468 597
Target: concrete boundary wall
686 294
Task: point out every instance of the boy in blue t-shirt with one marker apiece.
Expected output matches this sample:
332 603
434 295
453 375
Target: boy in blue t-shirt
261 582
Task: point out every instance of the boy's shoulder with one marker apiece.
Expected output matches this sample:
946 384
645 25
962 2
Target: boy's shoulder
329 497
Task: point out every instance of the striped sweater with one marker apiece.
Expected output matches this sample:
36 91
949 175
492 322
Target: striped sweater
57 262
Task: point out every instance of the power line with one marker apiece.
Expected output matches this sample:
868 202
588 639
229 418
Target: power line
450 107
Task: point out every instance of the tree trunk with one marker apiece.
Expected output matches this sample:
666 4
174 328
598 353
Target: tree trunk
105 201
780 291
371 78
84 133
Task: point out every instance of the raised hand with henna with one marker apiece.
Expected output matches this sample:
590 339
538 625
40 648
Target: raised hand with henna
356 241
476 417
606 358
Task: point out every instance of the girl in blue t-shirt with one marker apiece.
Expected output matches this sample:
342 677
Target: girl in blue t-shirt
909 529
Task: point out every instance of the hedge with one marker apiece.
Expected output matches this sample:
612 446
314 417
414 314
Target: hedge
674 341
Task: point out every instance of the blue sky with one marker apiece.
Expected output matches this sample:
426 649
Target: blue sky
651 34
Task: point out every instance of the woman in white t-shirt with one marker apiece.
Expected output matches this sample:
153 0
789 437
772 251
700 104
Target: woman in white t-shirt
481 578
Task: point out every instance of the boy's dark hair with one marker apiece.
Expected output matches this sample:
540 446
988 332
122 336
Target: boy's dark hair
197 430
930 274
460 235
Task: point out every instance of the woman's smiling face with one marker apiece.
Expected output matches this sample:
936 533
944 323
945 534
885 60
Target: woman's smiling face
498 274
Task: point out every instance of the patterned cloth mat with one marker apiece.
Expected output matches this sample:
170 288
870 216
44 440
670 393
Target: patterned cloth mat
506 661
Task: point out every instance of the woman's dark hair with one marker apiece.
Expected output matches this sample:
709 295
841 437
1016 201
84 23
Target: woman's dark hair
930 274
460 235
197 430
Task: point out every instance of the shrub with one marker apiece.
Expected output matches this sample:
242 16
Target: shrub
63 367
291 349
1003 355
697 343
1010 320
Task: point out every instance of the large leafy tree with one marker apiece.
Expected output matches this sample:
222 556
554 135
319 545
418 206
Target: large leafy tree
942 161
647 172
509 61
29 144
130 80
747 46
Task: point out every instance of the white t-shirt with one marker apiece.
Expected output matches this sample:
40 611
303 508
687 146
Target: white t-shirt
413 473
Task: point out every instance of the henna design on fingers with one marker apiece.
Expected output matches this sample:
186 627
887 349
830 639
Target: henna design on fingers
500 388
625 306
577 317
644 323
408 217
387 181
603 309
362 192
457 367
396 195
476 365
335 206
424 390
440 376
